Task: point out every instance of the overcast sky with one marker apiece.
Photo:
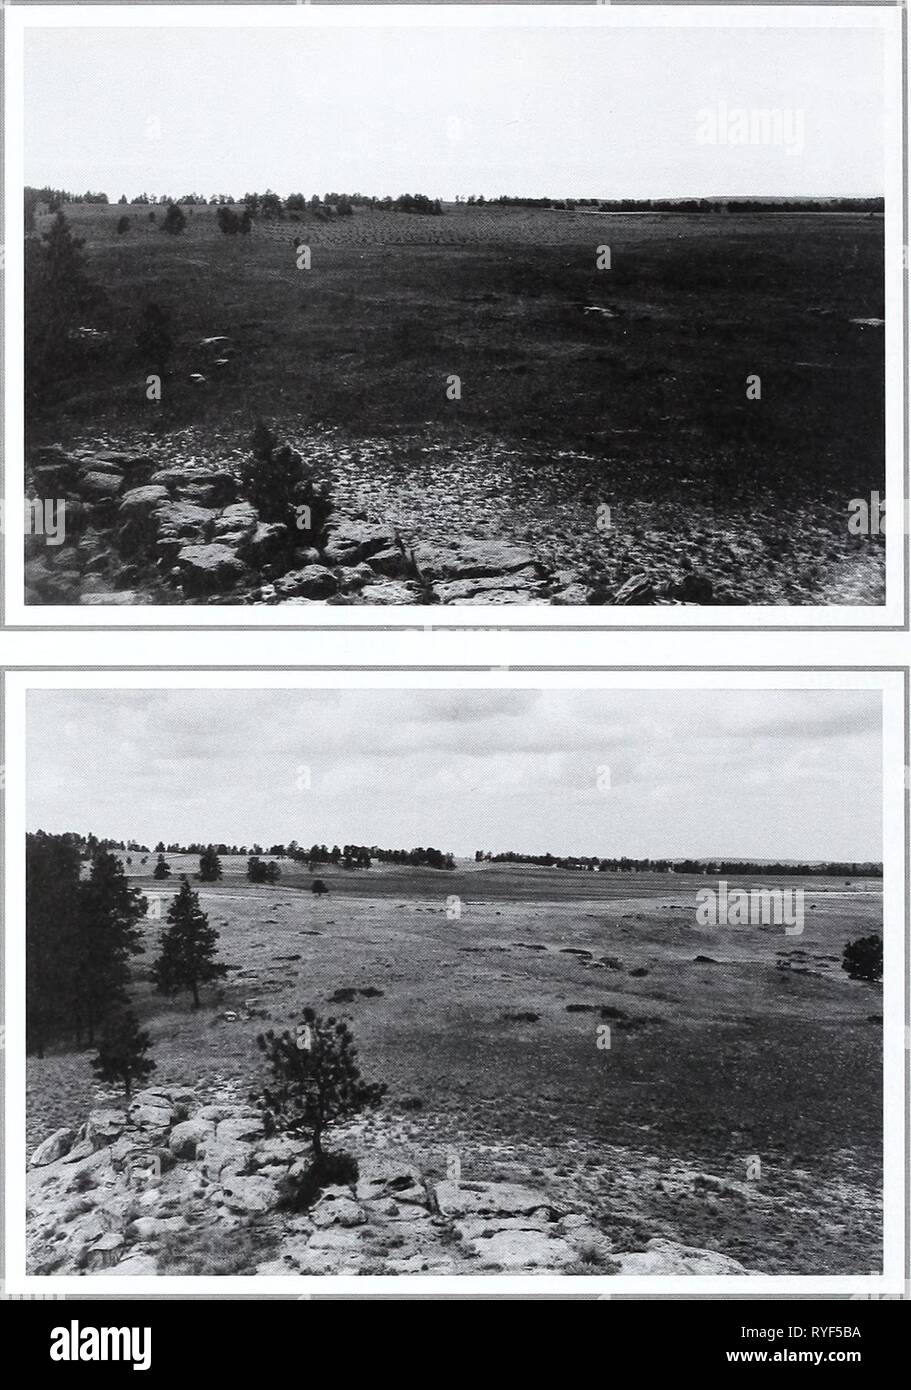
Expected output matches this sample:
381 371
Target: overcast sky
556 112
791 774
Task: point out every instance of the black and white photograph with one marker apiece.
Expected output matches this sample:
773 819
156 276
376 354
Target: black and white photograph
441 980
454 310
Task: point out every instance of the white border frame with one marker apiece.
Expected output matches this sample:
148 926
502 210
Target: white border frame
891 682
886 17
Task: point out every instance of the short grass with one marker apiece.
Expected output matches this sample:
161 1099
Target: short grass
709 1064
642 407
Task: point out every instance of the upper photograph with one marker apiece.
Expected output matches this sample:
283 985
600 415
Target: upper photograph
525 316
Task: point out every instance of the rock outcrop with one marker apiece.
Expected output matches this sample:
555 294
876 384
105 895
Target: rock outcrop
178 1176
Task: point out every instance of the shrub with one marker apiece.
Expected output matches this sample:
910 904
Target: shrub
123 225
863 959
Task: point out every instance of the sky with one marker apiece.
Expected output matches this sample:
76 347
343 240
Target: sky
539 113
794 774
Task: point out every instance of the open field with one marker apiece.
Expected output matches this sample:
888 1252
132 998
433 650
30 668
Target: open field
726 1043
580 387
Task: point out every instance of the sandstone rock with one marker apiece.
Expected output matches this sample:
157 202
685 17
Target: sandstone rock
637 590
504 596
136 1264
218 1159
249 1194
333 1239
315 581
489 1198
105 1252
524 583
101 486
215 489
186 1136
52 1148
207 569
146 1227
342 1211
150 1117
353 577
472 559
240 516
668 1257
183 519
390 562
141 502
408 1264
474 1227
350 541
522 1250
394 591
239 1127
573 595
123 598
389 1178
104 1126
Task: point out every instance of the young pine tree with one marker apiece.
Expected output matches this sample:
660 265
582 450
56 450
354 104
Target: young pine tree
188 946
209 865
122 1052
162 868
317 1080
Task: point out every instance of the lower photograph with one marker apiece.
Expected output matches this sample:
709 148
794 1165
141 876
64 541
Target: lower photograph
512 981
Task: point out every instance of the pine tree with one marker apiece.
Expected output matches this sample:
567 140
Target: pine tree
121 1052
317 1079
174 221
52 871
209 865
108 934
862 959
188 948
162 868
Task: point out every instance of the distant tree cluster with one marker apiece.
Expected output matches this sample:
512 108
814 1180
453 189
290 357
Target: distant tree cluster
712 868
262 870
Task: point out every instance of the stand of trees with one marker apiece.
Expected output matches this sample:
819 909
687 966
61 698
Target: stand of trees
711 868
81 935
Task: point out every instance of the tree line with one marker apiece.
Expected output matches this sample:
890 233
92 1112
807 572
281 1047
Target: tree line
713 868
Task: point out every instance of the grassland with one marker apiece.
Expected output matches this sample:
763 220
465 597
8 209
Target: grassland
580 387
726 1044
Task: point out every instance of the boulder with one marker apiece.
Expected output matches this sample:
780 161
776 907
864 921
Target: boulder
188 1135
146 1227
522 1250
394 591
123 598
105 1252
389 1178
668 1257
347 542
100 487
141 502
337 1211
472 559
637 590
237 1128
104 1126
183 518
207 569
390 562
239 517
136 1264
524 583
489 1198
249 1194
314 581
52 1148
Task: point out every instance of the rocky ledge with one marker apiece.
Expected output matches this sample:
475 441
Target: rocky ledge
179 1175
138 531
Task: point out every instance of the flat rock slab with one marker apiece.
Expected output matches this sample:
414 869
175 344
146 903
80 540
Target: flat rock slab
489 1198
667 1257
523 1250
472 559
